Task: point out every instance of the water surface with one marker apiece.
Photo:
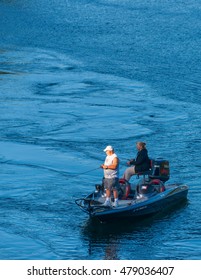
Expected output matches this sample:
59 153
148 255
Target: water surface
76 76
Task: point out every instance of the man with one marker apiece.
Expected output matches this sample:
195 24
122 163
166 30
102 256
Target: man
111 175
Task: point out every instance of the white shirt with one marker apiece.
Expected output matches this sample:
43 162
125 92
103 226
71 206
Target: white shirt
111 173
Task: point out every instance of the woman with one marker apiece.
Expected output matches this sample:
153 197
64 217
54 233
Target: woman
141 163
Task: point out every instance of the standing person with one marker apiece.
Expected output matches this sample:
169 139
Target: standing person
141 163
111 175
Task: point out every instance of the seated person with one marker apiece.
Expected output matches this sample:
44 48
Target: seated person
141 163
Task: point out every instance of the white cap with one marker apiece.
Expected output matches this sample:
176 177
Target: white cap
108 148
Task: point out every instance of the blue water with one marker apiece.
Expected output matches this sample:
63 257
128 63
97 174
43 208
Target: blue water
78 75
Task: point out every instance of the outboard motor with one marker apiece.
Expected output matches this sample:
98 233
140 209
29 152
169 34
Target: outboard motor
160 170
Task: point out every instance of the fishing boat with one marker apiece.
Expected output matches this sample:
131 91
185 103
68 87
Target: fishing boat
149 196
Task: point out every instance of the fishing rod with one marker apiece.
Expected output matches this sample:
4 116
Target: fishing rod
82 173
76 175
91 170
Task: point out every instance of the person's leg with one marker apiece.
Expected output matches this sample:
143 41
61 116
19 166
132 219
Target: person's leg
108 193
115 191
130 171
107 186
115 187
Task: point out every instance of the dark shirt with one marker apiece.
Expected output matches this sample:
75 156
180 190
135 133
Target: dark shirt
142 161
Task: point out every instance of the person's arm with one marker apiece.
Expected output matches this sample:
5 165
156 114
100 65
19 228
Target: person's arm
111 166
114 163
131 162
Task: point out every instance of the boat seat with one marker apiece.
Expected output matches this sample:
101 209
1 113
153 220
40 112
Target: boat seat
147 172
158 184
144 173
124 189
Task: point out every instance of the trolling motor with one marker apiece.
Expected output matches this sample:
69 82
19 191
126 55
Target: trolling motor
99 188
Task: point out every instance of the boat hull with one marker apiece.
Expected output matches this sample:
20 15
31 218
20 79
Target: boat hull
139 207
145 208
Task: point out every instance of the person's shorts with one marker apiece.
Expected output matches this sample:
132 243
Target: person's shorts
111 184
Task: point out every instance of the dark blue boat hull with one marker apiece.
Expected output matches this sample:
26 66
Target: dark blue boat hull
146 208
140 207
